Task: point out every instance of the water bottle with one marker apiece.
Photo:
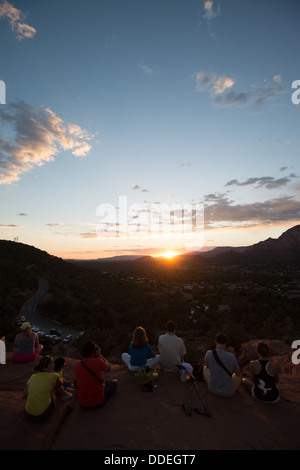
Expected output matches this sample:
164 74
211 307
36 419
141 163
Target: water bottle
182 374
155 379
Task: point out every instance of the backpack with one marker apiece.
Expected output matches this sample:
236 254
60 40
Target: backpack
144 379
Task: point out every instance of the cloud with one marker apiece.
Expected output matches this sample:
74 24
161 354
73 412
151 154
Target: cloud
11 226
220 89
210 12
35 136
208 81
258 97
222 84
267 182
145 69
89 235
205 80
137 187
187 164
55 224
16 19
220 212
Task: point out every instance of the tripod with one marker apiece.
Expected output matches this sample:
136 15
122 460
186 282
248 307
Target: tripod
189 409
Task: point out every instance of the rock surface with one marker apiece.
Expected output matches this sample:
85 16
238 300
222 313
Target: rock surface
136 420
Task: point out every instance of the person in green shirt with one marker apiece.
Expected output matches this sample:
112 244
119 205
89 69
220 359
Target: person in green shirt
40 391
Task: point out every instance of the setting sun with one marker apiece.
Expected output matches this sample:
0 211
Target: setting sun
169 254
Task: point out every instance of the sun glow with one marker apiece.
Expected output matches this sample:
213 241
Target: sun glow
169 254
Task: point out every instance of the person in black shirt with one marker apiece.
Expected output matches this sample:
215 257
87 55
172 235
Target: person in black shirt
264 376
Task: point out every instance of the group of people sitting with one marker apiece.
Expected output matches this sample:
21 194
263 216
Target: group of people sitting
220 371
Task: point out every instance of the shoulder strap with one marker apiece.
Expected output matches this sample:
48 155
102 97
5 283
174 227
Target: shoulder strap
220 362
92 372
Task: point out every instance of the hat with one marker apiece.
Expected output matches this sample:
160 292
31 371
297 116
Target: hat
188 368
25 325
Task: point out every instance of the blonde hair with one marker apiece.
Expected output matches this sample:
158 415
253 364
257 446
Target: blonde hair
27 331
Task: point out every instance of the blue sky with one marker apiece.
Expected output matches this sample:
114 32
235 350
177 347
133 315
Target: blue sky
164 102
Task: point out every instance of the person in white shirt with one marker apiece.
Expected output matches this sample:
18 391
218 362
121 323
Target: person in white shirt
171 348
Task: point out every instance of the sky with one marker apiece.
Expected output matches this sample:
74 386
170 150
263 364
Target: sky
134 127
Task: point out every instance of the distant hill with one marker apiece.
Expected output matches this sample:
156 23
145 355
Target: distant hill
77 297
110 259
287 246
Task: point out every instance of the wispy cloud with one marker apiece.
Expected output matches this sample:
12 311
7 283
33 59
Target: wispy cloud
137 187
187 164
35 136
11 226
145 69
266 182
211 10
16 20
55 224
89 235
220 89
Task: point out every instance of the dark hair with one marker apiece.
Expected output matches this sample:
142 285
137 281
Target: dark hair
262 349
58 363
171 326
139 339
221 338
43 364
88 349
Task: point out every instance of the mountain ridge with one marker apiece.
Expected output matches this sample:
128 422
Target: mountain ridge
287 245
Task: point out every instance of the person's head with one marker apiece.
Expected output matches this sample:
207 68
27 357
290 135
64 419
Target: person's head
171 326
89 349
221 339
26 328
139 339
46 364
58 364
262 349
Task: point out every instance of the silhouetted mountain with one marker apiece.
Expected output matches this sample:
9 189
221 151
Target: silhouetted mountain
222 249
21 254
286 246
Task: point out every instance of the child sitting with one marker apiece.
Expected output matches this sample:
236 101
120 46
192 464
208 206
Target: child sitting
58 368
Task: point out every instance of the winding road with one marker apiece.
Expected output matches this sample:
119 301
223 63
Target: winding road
29 311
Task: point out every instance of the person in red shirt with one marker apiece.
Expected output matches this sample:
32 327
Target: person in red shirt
92 391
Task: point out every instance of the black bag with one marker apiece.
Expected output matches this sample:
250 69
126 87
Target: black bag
220 362
92 372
